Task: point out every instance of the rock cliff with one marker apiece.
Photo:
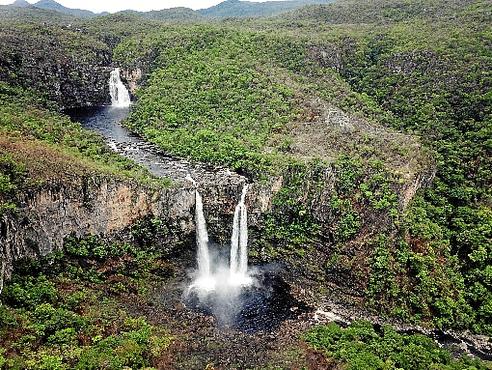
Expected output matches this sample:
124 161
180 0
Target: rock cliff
69 69
107 207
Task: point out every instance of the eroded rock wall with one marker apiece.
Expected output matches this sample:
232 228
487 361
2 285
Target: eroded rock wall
108 207
89 206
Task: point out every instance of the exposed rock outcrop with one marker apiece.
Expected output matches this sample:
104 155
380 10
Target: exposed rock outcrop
97 206
133 79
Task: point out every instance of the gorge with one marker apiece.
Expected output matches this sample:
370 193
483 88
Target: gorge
222 285
249 300
309 190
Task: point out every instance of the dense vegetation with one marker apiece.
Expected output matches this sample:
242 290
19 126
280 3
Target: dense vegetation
208 101
438 85
227 94
363 346
245 9
38 145
363 97
65 311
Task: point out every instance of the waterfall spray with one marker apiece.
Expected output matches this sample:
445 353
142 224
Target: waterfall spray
217 276
119 94
205 281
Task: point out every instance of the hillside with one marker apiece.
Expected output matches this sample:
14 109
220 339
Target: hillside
381 12
20 4
226 9
9 14
374 72
71 69
54 6
171 15
246 9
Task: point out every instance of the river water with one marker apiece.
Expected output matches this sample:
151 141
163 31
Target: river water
107 122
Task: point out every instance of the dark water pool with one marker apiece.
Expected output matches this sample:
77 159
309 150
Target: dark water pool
263 306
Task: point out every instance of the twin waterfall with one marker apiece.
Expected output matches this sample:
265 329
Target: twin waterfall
120 98
213 276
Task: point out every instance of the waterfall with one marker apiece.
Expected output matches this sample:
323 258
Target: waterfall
205 280
239 239
119 94
203 256
217 276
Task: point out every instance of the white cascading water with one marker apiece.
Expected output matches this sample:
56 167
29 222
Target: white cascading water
205 279
120 97
218 276
239 242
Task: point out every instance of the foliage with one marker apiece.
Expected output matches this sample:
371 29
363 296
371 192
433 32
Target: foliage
363 346
12 178
62 70
61 312
235 92
26 128
423 70
290 223
209 101
454 120
235 8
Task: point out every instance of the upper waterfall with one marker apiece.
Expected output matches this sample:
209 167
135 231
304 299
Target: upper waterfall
120 97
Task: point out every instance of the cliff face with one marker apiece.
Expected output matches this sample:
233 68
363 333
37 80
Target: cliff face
96 206
105 207
133 78
108 207
69 69
325 238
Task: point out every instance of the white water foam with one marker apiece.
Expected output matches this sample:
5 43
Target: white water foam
120 97
216 275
